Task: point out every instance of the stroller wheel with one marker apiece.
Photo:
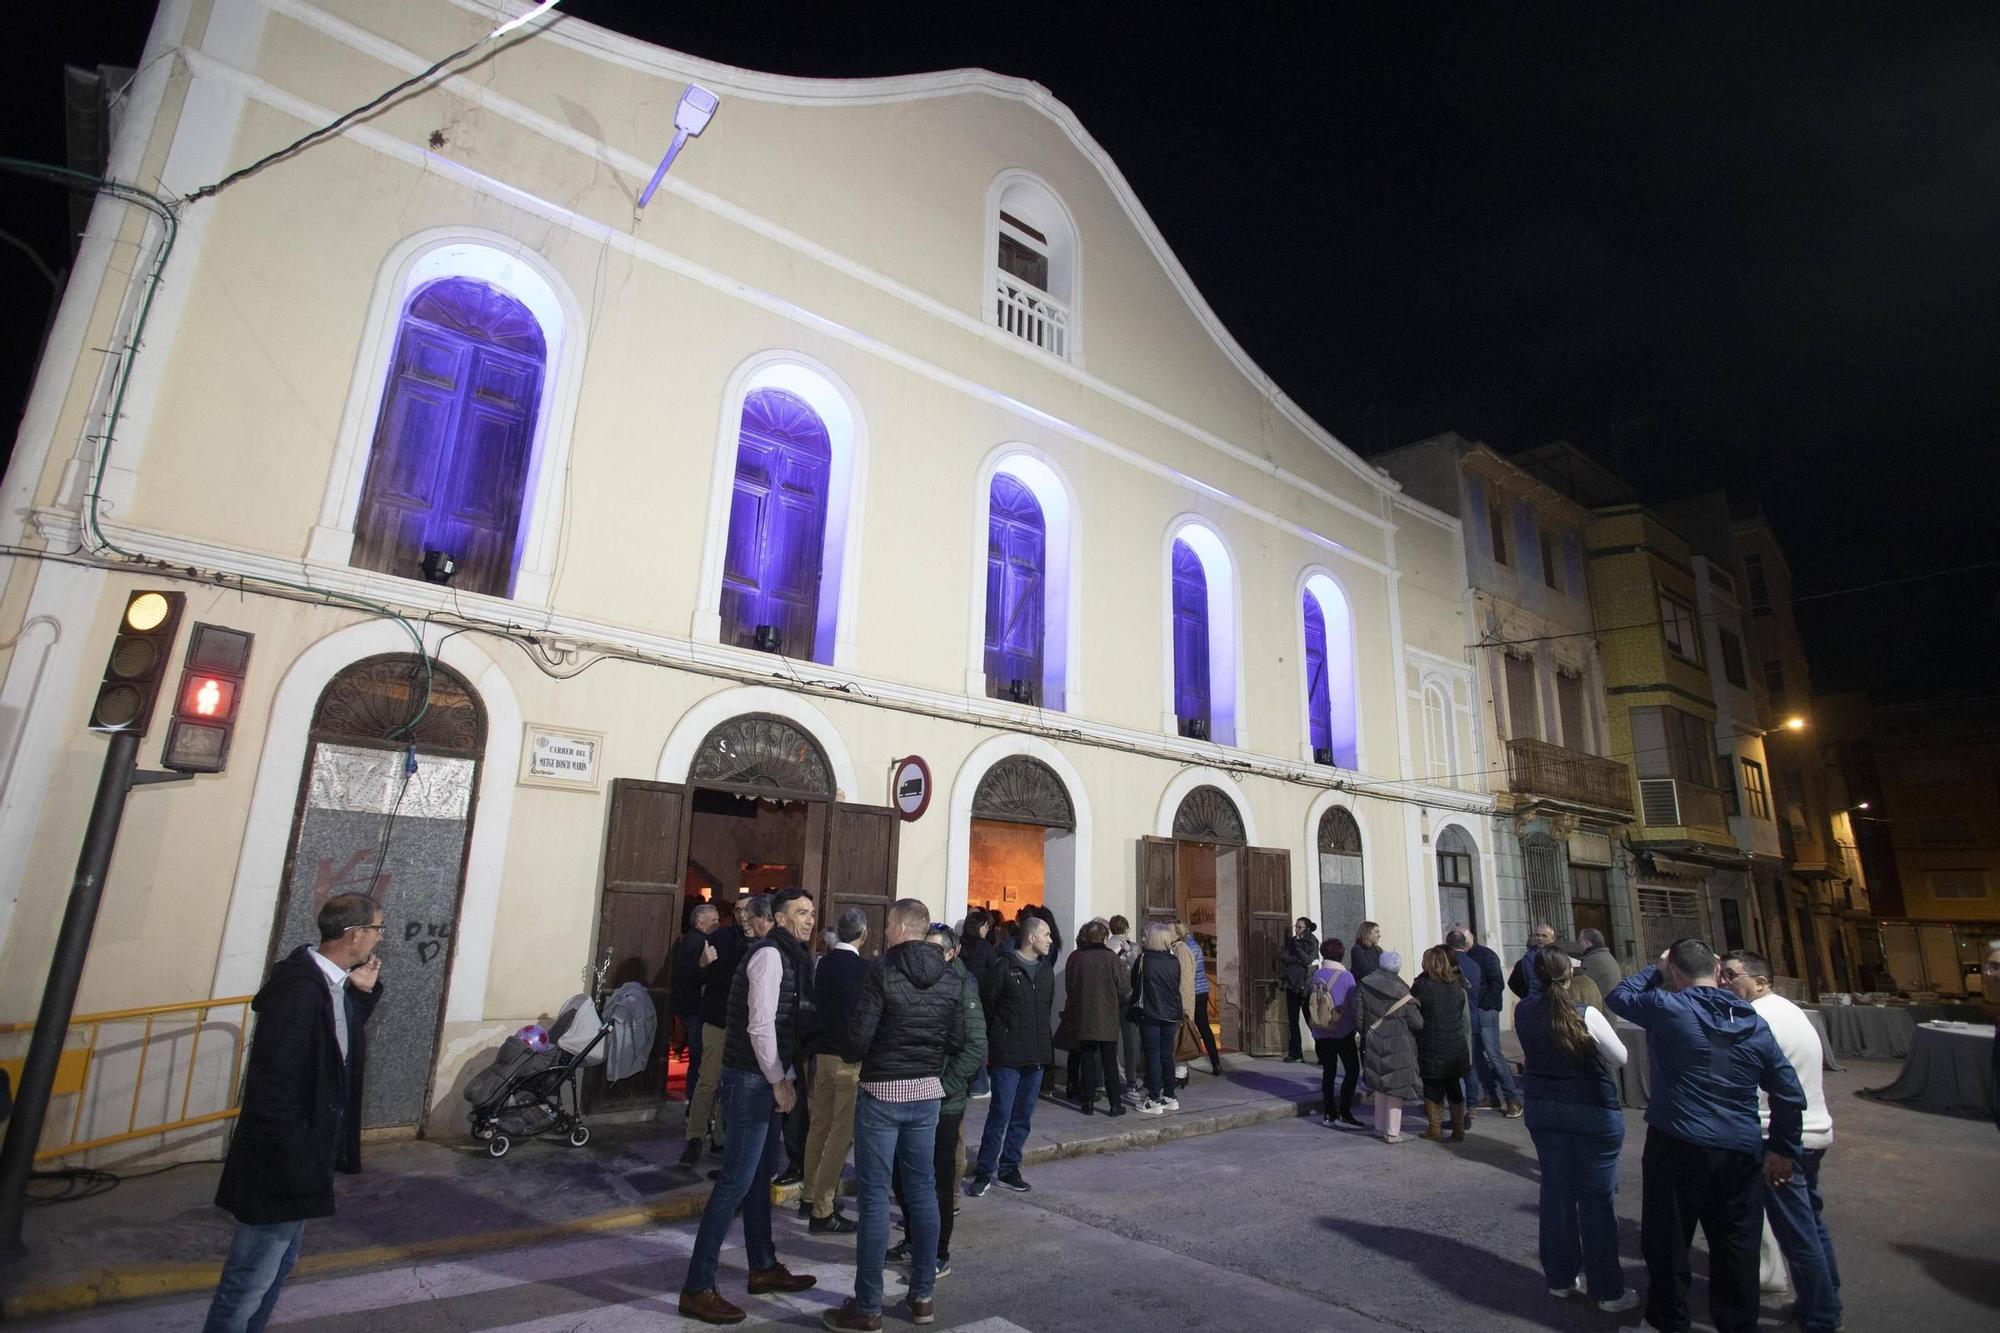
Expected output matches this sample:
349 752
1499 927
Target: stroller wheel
579 1136
498 1145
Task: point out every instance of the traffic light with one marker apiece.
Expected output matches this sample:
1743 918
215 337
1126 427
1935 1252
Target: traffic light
205 706
138 661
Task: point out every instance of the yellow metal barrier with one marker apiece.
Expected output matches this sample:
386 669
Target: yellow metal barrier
73 1071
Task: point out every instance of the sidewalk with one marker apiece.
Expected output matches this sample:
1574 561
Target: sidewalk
417 1200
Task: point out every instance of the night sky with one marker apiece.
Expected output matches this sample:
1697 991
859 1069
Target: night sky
1744 246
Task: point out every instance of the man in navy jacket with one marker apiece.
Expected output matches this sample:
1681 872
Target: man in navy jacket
1706 1159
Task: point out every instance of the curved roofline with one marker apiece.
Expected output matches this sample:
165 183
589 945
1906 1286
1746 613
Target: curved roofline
604 44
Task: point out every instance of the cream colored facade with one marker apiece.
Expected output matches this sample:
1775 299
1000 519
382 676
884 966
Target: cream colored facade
834 235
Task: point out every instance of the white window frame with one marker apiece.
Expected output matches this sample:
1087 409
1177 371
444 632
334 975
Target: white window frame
1030 198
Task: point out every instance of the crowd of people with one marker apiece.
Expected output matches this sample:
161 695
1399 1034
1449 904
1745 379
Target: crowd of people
798 1057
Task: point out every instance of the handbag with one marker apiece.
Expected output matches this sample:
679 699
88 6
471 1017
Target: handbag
1390 1010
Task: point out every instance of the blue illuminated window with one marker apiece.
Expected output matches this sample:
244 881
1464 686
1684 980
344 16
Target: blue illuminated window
1190 611
448 468
777 525
1016 581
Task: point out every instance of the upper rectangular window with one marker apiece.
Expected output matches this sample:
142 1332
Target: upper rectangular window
1958 883
1756 791
1760 591
1497 521
1524 715
1732 660
1668 743
1549 574
1677 627
1774 682
1570 708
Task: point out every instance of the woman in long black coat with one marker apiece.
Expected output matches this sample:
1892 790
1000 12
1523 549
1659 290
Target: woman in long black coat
1300 957
1441 1049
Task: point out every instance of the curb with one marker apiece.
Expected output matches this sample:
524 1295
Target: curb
86 1289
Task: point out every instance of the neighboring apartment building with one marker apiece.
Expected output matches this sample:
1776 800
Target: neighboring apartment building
1928 834
1689 876
1561 810
1825 892
890 428
1775 925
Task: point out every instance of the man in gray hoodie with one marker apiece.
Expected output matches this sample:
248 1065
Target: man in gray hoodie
1706 1159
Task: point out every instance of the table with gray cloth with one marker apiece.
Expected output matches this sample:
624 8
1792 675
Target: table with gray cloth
1949 1071
1869 1031
1825 1042
1634 1080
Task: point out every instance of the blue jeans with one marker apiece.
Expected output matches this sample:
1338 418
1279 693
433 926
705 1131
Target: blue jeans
981 1084
259 1258
1578 1146
1009 1114
1489 1068
749 1160
1798 1220
1158 1039
888 1136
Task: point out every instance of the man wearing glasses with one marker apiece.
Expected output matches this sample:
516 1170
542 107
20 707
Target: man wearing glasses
292 1124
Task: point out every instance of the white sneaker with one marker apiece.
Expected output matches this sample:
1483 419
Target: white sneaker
1563 1293
1171 1104
1618 1305
1151 1107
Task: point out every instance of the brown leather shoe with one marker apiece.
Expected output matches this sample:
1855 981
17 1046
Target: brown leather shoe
709 1307
921 1312
778 1278
847 1319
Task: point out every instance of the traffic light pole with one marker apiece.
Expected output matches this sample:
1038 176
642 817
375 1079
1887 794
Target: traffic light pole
38 1074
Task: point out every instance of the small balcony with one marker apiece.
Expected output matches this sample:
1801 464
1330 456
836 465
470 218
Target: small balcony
1032 315
1537 768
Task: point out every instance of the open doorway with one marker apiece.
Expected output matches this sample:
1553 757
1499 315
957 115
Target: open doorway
1022 849
1236 900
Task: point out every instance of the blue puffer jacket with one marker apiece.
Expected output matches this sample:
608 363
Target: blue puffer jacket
1710 1052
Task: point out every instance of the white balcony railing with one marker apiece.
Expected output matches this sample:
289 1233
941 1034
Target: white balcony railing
1032 315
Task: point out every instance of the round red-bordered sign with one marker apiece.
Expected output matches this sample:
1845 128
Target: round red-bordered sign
910 787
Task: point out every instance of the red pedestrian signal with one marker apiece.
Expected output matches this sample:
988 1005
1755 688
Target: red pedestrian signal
138 662
205 708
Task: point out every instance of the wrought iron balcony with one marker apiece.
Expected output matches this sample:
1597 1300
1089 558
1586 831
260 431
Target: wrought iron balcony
1537 768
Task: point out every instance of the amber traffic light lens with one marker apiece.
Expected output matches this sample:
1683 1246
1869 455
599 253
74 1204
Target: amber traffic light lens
146 612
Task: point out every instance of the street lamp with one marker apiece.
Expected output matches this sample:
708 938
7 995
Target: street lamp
1795 723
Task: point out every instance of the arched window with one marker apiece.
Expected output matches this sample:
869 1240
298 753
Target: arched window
1016 579
449 466
1332 725
1342 897
777 526
1437 735
1458 870
1201 635
1191 678
1032 279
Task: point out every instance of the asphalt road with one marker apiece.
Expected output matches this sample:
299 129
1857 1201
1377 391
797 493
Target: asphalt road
1280 1226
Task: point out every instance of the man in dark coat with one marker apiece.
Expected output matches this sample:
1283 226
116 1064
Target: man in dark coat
1489 1072
705 1113
691 957
1099 990
300 1104
1019 992
908 1023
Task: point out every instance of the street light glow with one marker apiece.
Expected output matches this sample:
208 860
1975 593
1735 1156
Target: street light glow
1795 724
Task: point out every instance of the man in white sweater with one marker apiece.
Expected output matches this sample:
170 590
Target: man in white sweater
1794 1210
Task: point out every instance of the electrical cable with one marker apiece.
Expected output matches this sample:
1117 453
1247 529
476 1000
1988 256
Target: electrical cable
1876 586
93 523
341 122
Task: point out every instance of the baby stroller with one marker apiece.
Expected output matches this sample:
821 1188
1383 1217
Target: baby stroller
530 1090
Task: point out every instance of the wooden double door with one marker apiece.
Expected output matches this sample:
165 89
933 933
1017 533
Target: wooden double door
1253 893
849 861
